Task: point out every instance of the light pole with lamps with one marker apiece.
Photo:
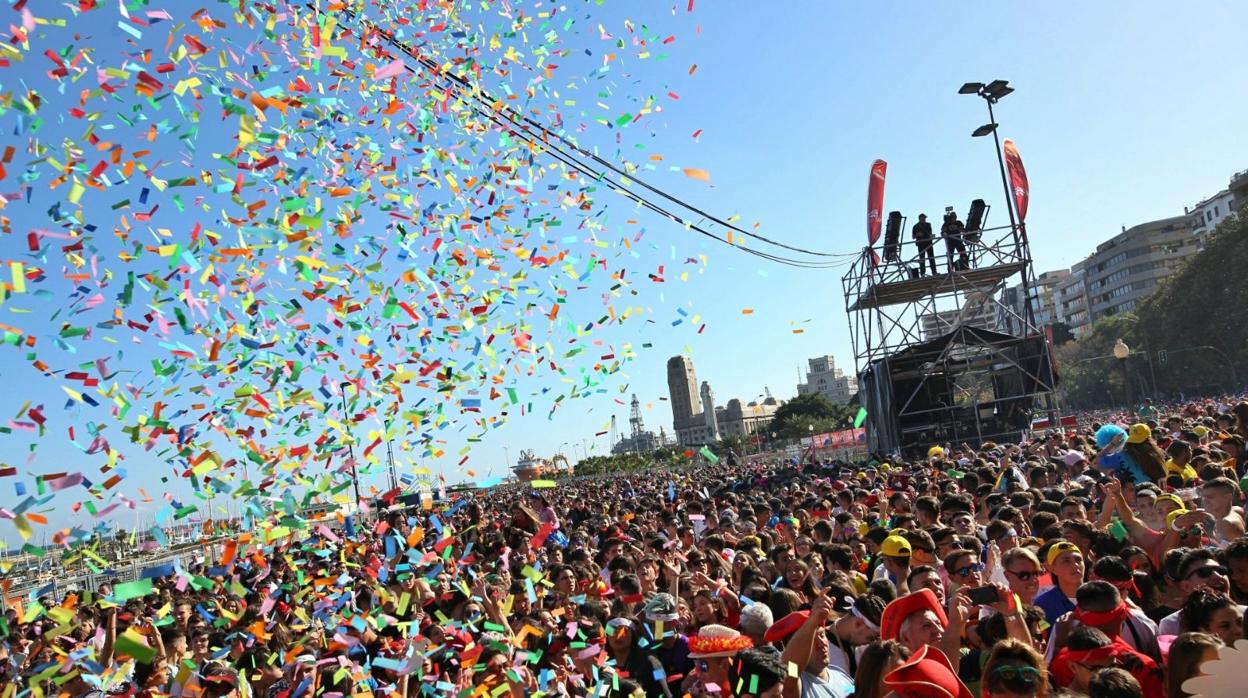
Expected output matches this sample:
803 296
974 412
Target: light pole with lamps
992 92
346 422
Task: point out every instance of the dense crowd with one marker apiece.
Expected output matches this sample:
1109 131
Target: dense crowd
1106 560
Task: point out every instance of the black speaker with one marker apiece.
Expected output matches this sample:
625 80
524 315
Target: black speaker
975 220
892 236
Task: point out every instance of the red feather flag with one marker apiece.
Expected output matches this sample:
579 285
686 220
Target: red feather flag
875 205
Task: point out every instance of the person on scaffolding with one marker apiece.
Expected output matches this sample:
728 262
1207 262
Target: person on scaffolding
922 234
952 231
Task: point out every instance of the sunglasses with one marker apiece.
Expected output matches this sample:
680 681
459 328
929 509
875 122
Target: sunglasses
1207 572
969 569
1013 673
703 665
1024 576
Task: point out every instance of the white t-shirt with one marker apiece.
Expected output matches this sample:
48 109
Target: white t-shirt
1171 624
837 685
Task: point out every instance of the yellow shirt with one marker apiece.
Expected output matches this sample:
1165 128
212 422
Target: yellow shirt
1187 471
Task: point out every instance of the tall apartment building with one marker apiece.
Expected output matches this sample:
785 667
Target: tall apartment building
1043 307
695 418
824 378
682 389
1072 300
1128 267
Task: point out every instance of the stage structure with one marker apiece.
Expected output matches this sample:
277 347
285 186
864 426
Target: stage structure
940 357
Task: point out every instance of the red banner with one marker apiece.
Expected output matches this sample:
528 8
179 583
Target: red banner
1018 179
875 205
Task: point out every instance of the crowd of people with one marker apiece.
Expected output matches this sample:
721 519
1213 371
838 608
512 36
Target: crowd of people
1108 560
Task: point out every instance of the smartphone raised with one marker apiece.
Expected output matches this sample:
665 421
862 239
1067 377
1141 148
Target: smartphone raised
984 596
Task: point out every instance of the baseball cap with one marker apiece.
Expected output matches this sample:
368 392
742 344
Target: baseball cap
1059 548
895 546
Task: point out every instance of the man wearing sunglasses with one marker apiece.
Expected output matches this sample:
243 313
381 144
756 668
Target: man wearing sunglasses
1199 569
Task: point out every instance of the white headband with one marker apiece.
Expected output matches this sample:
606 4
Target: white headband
866 621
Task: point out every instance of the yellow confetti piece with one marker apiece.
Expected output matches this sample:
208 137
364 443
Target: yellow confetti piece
19 276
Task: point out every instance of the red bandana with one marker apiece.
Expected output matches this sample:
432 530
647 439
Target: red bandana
1102 618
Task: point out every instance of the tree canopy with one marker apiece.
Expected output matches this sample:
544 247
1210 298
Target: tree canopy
1189 337
810 413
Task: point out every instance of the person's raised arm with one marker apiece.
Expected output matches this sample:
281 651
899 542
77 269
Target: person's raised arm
157 641
110 638
797 652
959 611
1011 611
673 574
1113 493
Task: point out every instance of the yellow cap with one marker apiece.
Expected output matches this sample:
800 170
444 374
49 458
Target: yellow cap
1058 548
895 546
1169 498
1138 434
1174 515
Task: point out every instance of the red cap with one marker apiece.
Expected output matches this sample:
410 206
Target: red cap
927 674
786 626
902 608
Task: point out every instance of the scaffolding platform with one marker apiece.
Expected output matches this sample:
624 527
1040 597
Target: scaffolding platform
912 289
942 357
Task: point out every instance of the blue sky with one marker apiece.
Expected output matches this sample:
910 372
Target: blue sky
1124 112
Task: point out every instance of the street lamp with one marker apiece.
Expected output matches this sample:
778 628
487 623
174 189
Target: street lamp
992 93
1122 352
355 479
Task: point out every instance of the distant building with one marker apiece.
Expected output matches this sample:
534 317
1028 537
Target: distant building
695 418
1239 190
978 310
1043 307
736 419
1209 213
682 389
824 378
1128 267
1072 301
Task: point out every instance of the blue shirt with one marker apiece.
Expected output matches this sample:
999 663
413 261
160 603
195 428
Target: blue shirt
1055 604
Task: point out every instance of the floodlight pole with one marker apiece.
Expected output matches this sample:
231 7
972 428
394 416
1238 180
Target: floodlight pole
991 96
1005 181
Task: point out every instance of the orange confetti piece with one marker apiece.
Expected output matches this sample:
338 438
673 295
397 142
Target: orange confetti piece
695 173
747 311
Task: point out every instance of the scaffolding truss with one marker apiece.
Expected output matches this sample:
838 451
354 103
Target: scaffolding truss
940 357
